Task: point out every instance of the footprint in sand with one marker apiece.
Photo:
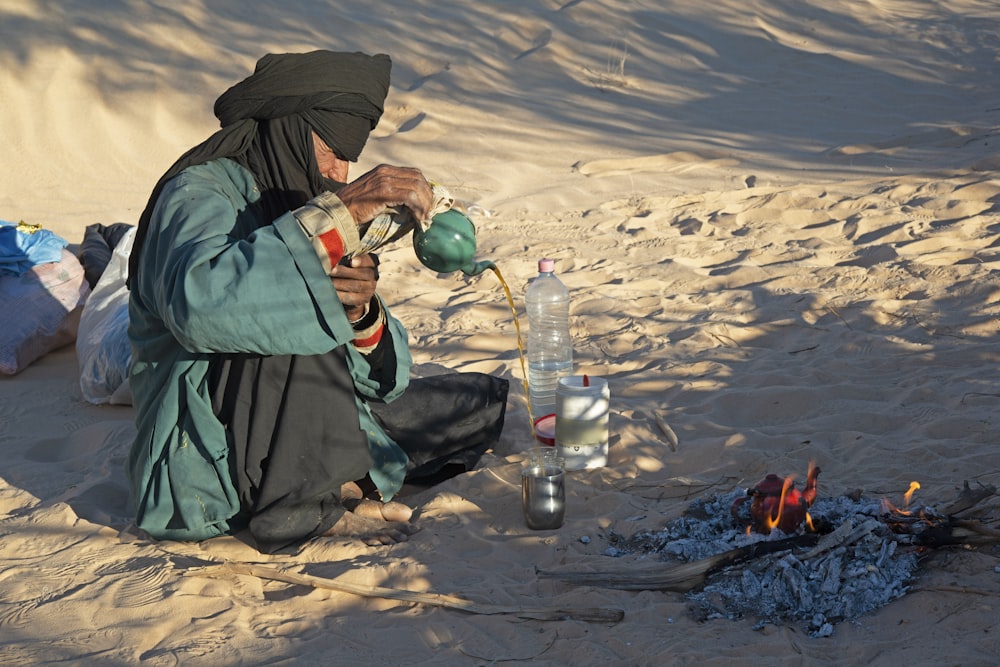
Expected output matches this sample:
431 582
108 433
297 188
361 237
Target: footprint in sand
678 162
938 251
81 448
147 581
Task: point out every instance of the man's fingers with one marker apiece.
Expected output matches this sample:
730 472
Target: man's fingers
356 281
386 186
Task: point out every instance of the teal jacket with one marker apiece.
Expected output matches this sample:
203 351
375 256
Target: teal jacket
217 277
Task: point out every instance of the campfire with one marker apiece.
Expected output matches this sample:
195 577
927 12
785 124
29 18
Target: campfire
784 555
778 505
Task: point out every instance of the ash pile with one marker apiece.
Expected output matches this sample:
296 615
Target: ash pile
817 587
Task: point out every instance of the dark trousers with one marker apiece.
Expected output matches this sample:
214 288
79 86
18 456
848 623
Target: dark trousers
295 437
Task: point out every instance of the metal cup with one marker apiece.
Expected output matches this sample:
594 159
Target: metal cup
543 493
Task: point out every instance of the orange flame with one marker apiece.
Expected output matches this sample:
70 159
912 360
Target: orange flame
773 521
889 508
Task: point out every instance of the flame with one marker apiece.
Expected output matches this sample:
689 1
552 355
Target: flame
809 523
773 521
889 508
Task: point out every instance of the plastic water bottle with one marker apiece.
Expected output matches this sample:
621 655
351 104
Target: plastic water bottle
550 348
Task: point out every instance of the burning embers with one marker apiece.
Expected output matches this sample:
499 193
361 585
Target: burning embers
862 555
778 504
852 565
893 514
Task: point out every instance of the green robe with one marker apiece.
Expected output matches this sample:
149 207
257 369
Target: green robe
197 295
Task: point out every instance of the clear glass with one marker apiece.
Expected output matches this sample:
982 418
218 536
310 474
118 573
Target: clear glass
543 490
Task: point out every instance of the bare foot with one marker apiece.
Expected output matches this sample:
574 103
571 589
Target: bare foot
350 491
373 509
353 499
372 521
373 532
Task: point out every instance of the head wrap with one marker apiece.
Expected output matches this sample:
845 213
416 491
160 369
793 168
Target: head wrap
268 119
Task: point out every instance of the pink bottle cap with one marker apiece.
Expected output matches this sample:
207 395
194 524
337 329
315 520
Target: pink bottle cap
546 265
545 430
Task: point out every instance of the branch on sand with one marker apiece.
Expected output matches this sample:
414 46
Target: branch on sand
592 614
679 577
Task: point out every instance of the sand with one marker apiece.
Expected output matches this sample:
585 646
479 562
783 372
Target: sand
778 222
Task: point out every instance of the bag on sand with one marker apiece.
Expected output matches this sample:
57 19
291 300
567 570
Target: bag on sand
40 310
102 346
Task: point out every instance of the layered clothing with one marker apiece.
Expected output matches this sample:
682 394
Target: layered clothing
230 281
255 397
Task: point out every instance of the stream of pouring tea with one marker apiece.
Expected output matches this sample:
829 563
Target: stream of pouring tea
520 345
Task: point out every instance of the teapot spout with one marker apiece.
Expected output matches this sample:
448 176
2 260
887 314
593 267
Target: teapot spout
475 268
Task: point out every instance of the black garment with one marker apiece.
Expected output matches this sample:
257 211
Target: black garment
294 438
445 420
294 445
99 243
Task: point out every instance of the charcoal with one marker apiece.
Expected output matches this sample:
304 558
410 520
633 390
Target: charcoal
750 583
831 568
842 584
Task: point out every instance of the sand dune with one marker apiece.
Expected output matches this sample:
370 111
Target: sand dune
778 222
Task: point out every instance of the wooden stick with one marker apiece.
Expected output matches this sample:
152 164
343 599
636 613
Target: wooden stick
957 532
953 589
594 614
969 498
846 533
680 577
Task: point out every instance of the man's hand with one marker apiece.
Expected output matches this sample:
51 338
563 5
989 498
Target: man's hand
355 284
384 186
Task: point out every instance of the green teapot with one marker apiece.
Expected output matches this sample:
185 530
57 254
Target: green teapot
449 244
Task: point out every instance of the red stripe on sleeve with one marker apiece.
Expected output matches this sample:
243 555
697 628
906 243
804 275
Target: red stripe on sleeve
333 243
371 340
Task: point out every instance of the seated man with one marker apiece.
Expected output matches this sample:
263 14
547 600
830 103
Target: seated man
266 369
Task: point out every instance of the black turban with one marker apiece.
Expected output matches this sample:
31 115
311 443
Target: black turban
339 94
268 119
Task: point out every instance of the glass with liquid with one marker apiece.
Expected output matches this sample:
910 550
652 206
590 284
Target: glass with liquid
543 490
582 408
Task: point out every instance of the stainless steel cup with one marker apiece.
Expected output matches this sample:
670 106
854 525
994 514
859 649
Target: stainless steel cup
543 494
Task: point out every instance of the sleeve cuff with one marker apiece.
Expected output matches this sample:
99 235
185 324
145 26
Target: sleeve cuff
330 228
369 329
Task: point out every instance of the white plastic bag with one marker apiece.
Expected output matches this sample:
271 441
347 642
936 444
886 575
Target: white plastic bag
103 350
